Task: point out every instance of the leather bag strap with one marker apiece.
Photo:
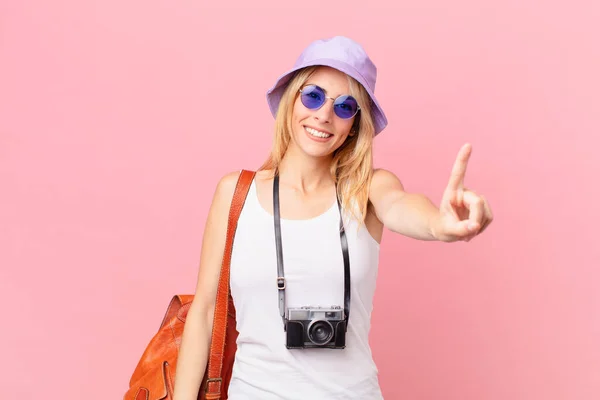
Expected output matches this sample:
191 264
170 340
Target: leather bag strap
217 346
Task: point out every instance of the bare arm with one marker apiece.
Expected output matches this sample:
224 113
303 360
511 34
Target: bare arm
195 343
462 215
409 214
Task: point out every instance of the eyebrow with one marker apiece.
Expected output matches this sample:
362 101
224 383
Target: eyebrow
316 84
313 83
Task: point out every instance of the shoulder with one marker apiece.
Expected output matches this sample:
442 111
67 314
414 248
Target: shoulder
383 181
226 187
227 182
385 189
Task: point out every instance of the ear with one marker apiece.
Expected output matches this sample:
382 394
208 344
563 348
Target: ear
354 128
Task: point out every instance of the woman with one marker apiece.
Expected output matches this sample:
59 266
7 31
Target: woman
321 171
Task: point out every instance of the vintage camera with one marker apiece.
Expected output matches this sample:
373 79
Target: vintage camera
320 327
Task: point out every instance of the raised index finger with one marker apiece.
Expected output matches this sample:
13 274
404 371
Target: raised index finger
459 169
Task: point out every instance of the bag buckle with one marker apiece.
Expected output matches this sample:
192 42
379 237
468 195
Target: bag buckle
211 380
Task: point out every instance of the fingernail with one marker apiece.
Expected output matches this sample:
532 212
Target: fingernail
472 226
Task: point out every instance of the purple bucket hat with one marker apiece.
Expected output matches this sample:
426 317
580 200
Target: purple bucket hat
342 54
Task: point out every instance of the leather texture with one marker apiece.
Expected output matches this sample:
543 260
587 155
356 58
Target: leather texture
153 377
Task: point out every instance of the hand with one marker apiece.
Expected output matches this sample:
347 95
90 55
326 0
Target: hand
463 213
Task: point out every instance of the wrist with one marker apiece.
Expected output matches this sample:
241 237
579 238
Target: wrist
434 225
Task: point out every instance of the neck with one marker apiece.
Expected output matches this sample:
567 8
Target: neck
304 173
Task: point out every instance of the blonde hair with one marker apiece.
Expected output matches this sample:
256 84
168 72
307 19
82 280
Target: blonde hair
352 163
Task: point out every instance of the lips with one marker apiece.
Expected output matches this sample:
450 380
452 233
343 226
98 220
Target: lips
317 133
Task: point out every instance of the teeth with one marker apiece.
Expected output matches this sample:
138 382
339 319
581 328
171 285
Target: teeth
316 133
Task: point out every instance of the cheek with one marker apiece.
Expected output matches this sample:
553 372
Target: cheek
343 126
299 111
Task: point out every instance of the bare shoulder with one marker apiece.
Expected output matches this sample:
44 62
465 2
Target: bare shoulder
385 188
226 187
384 179
221 201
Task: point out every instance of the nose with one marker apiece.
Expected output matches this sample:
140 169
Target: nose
325 113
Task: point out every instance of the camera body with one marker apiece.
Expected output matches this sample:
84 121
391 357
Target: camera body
316 327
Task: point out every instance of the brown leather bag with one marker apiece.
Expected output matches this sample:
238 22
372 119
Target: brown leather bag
153 378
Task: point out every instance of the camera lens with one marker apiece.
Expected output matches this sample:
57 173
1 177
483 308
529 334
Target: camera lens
320 332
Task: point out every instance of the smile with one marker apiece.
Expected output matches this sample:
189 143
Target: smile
317 133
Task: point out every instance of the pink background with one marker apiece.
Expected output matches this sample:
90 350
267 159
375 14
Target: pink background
118 118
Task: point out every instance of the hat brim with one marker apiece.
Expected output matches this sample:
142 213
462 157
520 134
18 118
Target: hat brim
276 92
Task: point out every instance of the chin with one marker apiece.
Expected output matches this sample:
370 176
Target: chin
321 154
314 149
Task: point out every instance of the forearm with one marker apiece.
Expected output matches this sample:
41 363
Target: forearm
193 355
412 215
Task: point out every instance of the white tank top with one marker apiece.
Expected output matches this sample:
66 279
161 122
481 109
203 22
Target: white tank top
264 369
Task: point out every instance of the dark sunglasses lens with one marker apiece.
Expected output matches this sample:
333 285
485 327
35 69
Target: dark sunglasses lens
346 107
312 97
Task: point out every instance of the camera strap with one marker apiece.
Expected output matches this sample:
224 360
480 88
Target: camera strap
280 275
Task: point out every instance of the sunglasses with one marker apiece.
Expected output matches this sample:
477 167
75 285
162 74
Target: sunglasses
313 97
